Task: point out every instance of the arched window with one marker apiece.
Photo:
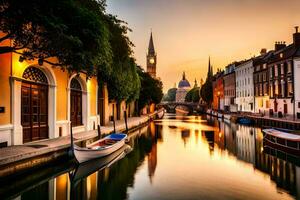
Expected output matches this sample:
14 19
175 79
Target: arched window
34 74
76 103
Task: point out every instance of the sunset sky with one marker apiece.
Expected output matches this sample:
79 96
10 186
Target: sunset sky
187 32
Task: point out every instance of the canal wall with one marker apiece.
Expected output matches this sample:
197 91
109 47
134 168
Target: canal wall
19 159
260 121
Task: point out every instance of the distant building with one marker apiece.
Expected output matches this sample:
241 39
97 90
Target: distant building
244 86
218 91
183 88
229 88
151 58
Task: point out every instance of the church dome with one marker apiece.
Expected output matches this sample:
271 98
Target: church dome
184 83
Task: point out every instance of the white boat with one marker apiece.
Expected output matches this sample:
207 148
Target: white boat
98 149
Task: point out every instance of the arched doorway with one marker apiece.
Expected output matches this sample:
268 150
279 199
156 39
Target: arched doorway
76 103
34 105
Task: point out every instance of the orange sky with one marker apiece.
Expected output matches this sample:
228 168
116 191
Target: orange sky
186 32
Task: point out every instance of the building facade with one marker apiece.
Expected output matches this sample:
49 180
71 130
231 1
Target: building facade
261 82
283 69
151 58
218 91
244 86
39 101
229 89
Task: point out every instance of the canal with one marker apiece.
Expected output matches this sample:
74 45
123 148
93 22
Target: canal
192 157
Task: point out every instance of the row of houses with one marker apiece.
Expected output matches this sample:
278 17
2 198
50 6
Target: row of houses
40 101
268 84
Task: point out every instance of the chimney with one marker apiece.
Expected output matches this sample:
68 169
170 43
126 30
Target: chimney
296 37
279 45
263 51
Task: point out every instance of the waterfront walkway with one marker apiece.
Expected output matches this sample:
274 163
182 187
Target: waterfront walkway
19 153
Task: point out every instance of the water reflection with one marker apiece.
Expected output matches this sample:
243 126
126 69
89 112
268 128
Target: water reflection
174 158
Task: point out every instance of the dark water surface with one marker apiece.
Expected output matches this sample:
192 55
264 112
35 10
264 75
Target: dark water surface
173 158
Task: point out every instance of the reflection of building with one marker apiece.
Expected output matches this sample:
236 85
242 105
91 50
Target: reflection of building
185 134
246 143
209 136
219 136
183 88
152 161
230 137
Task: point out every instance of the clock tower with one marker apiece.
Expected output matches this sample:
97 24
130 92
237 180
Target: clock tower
151 58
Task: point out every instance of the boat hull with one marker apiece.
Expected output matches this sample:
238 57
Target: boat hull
83 155
283 148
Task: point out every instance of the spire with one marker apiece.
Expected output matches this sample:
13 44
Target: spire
151 50
196 84
210 69
183 75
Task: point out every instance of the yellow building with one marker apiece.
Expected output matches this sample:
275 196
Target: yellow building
39 101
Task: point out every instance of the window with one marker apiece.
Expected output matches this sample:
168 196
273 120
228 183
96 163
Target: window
282 69
276 87
282 89
289 68
265 66
271 72
265 89
290 88
271 90
275 70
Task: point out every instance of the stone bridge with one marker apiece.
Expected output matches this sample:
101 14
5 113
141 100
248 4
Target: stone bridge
171 106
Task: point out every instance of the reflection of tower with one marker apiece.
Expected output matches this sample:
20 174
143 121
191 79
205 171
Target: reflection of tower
185 134
209 136
152 161
152 156
151 58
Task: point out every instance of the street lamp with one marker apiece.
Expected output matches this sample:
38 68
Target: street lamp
218 94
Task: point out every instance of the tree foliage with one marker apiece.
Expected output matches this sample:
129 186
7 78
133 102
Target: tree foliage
66 29
171 95
121 76
206 91
193 95
151 89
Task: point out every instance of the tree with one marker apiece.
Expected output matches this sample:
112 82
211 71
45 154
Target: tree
151 90
171 95
193 95
121 76
207 92
68 30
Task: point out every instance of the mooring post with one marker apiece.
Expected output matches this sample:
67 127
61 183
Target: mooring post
125 118
99 131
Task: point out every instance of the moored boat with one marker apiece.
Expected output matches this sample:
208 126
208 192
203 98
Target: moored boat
99 148
284 140
245 121
181 110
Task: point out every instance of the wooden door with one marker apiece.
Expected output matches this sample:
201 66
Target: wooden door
76 108
34 111
285 108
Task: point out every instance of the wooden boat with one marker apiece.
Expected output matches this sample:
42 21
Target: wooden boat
87 168
282 139
98 149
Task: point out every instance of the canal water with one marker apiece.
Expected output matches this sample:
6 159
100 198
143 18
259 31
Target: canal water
193 157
